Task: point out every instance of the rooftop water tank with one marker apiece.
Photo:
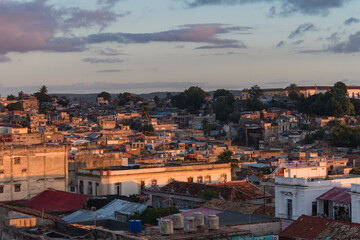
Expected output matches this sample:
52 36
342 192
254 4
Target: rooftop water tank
166 227
212 222
199 219
189 224
178 221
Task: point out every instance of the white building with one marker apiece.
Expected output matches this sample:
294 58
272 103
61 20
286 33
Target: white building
355 203
126 181
297 196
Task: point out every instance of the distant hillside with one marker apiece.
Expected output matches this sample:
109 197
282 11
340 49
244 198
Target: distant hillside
91 97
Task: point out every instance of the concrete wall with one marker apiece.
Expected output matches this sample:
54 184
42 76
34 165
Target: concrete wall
303 192
130 180
34 169
261 229
355 203
305 172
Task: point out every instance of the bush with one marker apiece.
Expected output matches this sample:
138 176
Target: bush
207 194
150 215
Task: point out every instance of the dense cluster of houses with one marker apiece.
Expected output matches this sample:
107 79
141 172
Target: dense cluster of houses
92 169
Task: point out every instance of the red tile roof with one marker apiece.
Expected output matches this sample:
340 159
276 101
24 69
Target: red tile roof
243 191
308 227
337 194
53 200
29 211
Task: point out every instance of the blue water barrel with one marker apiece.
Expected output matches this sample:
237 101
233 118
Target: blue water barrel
137 226
131 226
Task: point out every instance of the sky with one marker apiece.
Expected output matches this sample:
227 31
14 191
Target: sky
142 46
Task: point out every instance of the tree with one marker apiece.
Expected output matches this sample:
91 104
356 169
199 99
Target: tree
339 90
148 129
355 170
344 136
333 103
191 99
11 97
223 104
105 95
156 100
224 93
42 95
226 157
125 97
145 112
253 103
293 92
15 106
43 90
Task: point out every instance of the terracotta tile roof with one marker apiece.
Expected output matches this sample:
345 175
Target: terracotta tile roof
245 187
308 227
231 193
243 207
337 194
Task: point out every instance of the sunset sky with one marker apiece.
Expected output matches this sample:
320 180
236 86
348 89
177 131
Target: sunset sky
87 46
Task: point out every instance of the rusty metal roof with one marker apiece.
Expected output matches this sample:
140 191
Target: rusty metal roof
337 194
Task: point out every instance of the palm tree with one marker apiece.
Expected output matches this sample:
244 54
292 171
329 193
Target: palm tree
145 112
226 157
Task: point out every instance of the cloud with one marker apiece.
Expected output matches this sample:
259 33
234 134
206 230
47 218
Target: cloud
278 82
109 3
300 31
281 7
297 42
39 26
80 18
4 59
309 7
102 60
334 38
281 44
351 20
110 70
351 45
195 33
199 3
111 52
223 54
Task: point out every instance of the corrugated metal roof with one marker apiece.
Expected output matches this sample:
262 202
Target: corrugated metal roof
106 212
337 194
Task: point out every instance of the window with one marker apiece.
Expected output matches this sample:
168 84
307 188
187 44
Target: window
314 208
118 188
142 184
81 187
1 161
190 180
2 171
17 160
17 187
200 179
72 188
97 189
289 208
223 177
1 188
208 179
153 182
90 189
